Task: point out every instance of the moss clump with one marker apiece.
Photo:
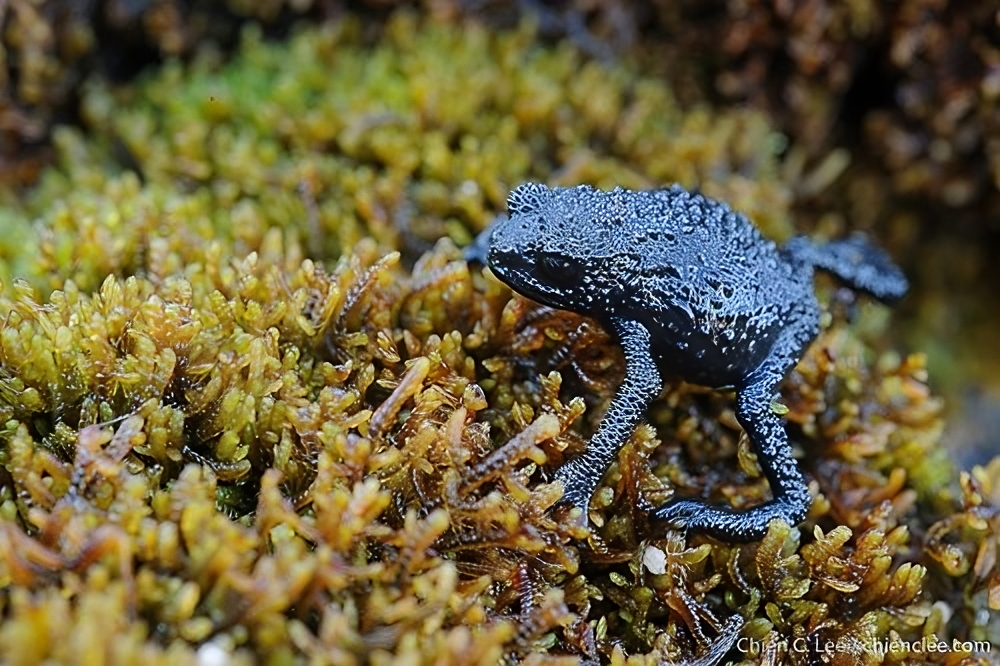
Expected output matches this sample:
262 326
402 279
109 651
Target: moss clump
47 47
214 445
418 137
965 545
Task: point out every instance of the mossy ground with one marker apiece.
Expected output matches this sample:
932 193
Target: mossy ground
254 404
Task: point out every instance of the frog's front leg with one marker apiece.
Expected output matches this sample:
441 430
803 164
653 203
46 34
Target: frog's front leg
774 454
642 384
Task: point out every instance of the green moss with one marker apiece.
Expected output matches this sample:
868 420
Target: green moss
235 419
418 137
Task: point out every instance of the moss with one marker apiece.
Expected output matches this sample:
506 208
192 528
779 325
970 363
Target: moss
252 405
47 47
418 137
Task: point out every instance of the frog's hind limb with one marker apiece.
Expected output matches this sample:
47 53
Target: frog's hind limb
854 260
642 384
766 431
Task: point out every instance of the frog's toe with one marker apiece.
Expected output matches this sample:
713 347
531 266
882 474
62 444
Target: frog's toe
728 525
681 514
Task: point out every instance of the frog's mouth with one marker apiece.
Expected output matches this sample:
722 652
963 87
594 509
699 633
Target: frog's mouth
516 271
528 274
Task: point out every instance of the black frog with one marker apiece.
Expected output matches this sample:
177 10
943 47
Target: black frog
690 288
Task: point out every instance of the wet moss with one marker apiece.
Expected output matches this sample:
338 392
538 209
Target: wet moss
253 402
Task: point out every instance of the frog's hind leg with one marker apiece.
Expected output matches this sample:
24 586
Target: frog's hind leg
857 262
774 454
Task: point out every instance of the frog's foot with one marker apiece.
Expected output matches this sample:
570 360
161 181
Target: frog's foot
577 487
681 514
727 525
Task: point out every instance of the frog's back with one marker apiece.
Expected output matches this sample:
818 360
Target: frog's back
712 255
716 292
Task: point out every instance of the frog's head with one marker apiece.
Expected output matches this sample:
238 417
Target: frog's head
558 247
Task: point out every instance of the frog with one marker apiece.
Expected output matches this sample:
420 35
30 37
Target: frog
692 289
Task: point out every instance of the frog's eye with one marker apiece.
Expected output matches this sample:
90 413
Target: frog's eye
557 269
